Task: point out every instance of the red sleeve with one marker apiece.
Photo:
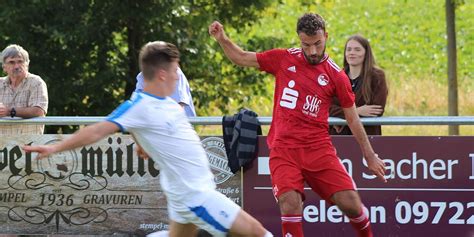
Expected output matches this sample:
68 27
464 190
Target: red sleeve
344 90
269 61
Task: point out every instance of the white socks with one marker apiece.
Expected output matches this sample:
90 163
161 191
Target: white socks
163 233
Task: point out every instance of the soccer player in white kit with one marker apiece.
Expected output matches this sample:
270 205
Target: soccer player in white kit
162 129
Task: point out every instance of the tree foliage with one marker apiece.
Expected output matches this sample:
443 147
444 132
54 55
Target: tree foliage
87 50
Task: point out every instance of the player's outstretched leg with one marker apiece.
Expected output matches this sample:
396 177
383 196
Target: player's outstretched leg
182 230
221 217
246 225
350 204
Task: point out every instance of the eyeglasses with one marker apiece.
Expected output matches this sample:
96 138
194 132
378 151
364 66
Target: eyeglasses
14 62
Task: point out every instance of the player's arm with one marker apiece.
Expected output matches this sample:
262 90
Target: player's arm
231 50
374 163
84 136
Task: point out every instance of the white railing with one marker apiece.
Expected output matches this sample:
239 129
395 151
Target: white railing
396 120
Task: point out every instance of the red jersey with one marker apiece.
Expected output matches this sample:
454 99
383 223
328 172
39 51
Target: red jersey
303 96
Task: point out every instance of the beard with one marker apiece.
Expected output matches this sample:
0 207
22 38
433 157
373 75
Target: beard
314 58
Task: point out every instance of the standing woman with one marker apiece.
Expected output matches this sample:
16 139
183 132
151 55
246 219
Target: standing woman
368 84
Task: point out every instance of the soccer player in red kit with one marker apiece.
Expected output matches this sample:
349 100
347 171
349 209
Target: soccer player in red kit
300 145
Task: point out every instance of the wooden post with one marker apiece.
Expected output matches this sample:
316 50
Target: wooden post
452 63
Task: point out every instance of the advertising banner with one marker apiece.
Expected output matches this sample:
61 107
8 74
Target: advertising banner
106 189
101 189
430 189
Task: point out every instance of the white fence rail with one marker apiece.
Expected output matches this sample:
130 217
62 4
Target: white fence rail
399 120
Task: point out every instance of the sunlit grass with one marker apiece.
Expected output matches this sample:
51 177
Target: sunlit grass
407 97
425 130
426 97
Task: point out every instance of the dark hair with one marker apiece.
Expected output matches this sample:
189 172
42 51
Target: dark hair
369 67
310 23
156 55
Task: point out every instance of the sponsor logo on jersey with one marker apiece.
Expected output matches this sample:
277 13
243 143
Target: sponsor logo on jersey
217 156
323 79
292 69
311 106
290 96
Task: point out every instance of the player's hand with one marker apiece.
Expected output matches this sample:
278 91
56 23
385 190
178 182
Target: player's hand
141 153
216 29
377 166
370 110
43 151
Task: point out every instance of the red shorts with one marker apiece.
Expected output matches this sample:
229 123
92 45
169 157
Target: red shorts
319 167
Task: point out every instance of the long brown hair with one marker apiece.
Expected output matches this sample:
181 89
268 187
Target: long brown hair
369 67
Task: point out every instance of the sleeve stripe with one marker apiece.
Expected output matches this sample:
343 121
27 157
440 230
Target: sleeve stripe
334 65
122 129
124 107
